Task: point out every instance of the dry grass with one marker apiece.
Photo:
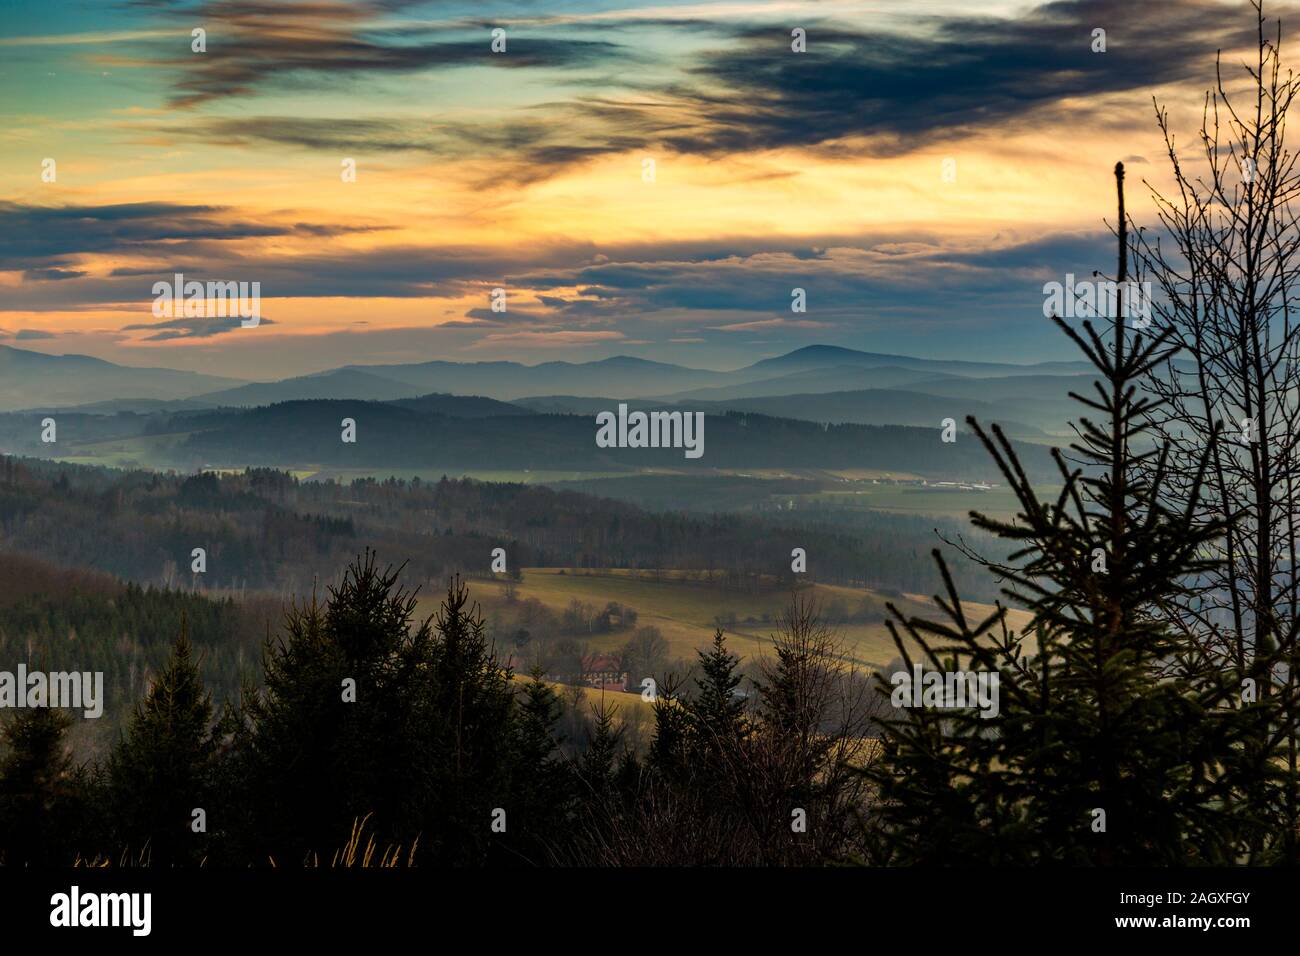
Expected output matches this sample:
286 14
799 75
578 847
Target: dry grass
683 606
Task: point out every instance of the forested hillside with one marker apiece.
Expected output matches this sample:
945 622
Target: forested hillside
457 433
266 530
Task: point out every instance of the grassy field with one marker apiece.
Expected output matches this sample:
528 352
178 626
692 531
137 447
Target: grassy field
912 499
866 474
627 708
160 452
526 477
795 491
720 490
142 451
685 610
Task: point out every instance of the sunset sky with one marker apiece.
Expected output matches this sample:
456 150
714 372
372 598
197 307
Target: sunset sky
524 170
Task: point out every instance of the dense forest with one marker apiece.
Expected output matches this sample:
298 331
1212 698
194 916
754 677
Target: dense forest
409 434
55 619
264 530
455 762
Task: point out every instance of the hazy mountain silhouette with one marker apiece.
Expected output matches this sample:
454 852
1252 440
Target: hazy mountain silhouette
33 379
862 387
390 435
620 375
340 383
837 378
822 356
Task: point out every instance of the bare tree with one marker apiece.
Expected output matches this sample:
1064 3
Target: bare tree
782 785
1224 267
816 717
1225 264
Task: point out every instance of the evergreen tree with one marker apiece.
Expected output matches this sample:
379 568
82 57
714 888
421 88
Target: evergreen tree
335 735
717 711
542 785
413 728
795 692
38 790
599 763
1111 745
467 710
162 770
669 755
599 776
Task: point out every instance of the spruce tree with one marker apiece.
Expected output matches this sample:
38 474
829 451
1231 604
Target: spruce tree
717 711
599 763
38 790
468 719
162 769
1112 744
598 773
542 781
718 732
412 727
670 747
336 734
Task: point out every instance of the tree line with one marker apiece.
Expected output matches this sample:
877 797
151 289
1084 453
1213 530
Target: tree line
266 530
413 735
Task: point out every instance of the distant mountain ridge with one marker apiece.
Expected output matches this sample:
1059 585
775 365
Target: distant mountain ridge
629 377
35 379
339 383
819 356
816 383
510 380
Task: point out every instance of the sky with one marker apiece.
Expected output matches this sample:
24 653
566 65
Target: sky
646 179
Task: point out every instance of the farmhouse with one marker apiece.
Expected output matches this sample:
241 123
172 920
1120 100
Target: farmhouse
604 672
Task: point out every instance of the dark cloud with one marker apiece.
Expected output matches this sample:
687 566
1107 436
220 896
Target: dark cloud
361 136
252 46
1077 252
46 237
522 150
25 335
846 281
728 279
43 241
947 76
191 328
886 92
51 275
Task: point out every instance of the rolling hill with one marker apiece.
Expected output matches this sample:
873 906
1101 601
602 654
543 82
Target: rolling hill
620 375
837 378
823 356
883 407
37 380
340 383
820 383
391 435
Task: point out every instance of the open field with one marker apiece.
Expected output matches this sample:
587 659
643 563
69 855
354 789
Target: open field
685 611
653 488
628 708
141 451
866 474
913 499
524 476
